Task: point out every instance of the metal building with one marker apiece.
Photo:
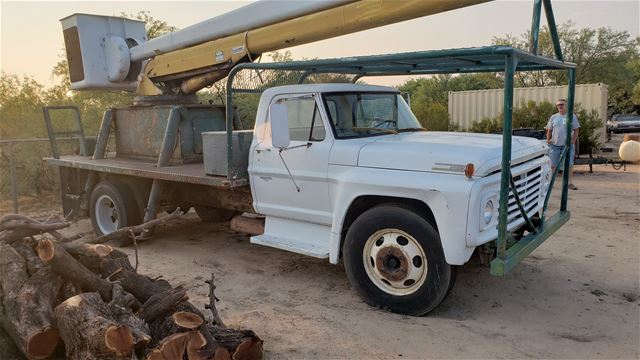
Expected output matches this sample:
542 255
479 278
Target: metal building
467 107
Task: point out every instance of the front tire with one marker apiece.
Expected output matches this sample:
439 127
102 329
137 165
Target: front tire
394 259
111 207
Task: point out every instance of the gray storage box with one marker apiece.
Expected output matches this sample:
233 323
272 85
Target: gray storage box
215 153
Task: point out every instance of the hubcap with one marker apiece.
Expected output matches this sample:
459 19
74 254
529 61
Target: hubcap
106 215
395 262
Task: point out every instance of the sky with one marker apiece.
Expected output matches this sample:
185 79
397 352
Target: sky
31 36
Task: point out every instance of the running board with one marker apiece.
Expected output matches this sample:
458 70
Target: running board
295 236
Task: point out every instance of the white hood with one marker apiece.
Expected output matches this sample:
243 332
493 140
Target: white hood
445 152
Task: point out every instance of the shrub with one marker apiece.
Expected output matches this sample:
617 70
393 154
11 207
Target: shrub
536 115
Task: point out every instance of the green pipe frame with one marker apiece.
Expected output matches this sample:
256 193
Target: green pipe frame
467 60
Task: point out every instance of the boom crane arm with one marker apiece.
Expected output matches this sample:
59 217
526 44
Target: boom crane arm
188 60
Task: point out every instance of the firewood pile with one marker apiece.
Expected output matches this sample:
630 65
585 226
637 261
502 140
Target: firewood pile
67 297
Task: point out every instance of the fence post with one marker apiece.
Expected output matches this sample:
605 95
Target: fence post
14 183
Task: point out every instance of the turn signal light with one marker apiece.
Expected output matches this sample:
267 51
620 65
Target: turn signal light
469 169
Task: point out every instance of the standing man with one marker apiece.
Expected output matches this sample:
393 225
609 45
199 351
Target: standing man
557 137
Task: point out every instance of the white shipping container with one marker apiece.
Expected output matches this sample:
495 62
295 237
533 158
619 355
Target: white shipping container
467 107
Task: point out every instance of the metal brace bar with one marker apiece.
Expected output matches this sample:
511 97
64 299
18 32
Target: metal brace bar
519 203
503 211
535 27
553 29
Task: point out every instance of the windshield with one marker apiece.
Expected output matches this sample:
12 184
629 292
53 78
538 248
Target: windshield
624 118
354 115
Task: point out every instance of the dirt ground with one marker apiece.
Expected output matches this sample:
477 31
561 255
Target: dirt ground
577 296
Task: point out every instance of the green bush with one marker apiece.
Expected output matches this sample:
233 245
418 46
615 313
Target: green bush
431 115
536 115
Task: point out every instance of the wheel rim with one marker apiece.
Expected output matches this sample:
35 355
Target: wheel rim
106 215
395 262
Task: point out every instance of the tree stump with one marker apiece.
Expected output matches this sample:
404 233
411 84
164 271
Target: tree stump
93 329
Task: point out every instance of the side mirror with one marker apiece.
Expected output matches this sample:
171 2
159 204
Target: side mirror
278 117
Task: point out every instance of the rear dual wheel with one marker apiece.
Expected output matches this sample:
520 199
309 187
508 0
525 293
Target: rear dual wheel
212 214
394 259
112 206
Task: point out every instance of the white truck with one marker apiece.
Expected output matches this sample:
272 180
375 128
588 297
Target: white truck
346 171
400 205
337 171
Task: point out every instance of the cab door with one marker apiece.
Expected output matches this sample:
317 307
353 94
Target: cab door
302 194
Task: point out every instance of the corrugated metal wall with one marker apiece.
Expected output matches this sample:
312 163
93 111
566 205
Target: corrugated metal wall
467 107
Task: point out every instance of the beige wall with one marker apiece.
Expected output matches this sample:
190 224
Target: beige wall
467 107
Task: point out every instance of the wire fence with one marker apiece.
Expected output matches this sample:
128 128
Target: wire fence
27 184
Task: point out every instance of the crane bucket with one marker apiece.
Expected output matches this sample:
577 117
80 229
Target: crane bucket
98 51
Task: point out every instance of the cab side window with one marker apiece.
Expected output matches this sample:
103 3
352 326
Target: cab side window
305 122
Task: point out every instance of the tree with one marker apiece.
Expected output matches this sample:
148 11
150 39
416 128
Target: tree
602 55
153 27
429 96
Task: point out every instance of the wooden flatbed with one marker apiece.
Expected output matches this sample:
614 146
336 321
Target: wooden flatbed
187 173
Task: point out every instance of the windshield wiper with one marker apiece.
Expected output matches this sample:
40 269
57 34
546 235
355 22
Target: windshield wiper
411 129
388 131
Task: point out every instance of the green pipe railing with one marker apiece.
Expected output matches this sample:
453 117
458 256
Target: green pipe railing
503 59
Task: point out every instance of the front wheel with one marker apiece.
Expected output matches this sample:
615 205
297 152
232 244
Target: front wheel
394 259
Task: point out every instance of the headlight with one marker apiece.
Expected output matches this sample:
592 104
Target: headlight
487 211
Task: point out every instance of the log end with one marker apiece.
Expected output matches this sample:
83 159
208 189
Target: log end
43 343
46 250
221 354
171 347
249 350
119 340
195 344
102 250
187 320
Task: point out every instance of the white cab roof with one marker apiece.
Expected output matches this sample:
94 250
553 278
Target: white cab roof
324 88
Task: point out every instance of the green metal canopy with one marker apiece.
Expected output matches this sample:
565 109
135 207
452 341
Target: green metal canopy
256 77
463 60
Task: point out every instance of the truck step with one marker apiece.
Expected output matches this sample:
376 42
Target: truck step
295 236
291 245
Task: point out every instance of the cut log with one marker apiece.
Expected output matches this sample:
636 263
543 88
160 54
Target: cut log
26 312
194 346
33 262
248 350
8 349
243 344
93 329
52 253
164 327
187 320
175 346
171 347
221 354
114 264
162 303
247 225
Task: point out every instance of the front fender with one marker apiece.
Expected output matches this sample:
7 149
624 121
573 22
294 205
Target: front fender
446 195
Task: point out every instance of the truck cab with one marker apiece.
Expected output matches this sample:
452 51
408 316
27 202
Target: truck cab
347 171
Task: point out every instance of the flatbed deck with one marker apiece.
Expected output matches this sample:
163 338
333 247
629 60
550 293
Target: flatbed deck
187 173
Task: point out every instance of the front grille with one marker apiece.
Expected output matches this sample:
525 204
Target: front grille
528 186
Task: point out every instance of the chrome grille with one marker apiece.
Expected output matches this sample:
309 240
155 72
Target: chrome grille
528 185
